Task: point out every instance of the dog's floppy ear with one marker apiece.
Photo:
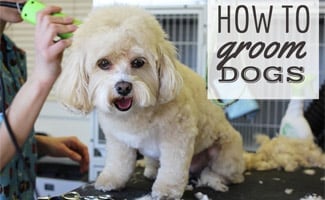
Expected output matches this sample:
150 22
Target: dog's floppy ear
71 87
169 79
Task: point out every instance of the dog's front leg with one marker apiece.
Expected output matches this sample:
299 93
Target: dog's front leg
175 159
119 165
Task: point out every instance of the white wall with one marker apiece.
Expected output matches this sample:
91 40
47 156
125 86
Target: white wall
57 121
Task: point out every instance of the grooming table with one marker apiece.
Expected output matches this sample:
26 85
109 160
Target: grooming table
258 185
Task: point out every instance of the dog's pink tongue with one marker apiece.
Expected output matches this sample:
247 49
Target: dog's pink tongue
124 103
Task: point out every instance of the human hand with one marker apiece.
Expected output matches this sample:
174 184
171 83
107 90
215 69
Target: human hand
48 52
70 147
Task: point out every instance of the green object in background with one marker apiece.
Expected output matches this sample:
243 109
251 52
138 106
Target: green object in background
32 7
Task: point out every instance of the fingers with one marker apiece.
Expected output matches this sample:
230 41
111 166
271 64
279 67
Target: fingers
70 147
50 10
72 154
82 151
48 55
49 26
85 160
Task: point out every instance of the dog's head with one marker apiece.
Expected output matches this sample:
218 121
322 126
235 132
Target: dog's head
119 59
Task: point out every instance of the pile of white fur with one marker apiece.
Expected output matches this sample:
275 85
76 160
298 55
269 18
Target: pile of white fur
284 152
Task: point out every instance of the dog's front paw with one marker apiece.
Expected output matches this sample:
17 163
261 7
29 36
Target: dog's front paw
163 197
166 192
106 182
157 196
149 197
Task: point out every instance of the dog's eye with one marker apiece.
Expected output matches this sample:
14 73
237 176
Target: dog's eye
138 62
104 64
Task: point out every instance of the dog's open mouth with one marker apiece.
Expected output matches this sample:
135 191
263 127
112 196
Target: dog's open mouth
123 103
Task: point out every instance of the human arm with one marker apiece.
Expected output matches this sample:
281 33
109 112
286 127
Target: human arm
29 100
70 147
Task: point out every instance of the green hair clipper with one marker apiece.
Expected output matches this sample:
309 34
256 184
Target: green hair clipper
29 14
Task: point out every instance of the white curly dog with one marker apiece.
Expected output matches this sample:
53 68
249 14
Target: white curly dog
121 63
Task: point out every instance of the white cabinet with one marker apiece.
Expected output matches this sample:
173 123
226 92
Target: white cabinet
55 187
56 176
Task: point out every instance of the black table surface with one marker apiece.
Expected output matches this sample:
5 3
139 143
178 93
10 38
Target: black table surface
258 185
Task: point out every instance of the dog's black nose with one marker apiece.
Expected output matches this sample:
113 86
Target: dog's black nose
123 88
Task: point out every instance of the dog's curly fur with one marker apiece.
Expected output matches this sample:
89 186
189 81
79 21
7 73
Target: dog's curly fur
121 63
